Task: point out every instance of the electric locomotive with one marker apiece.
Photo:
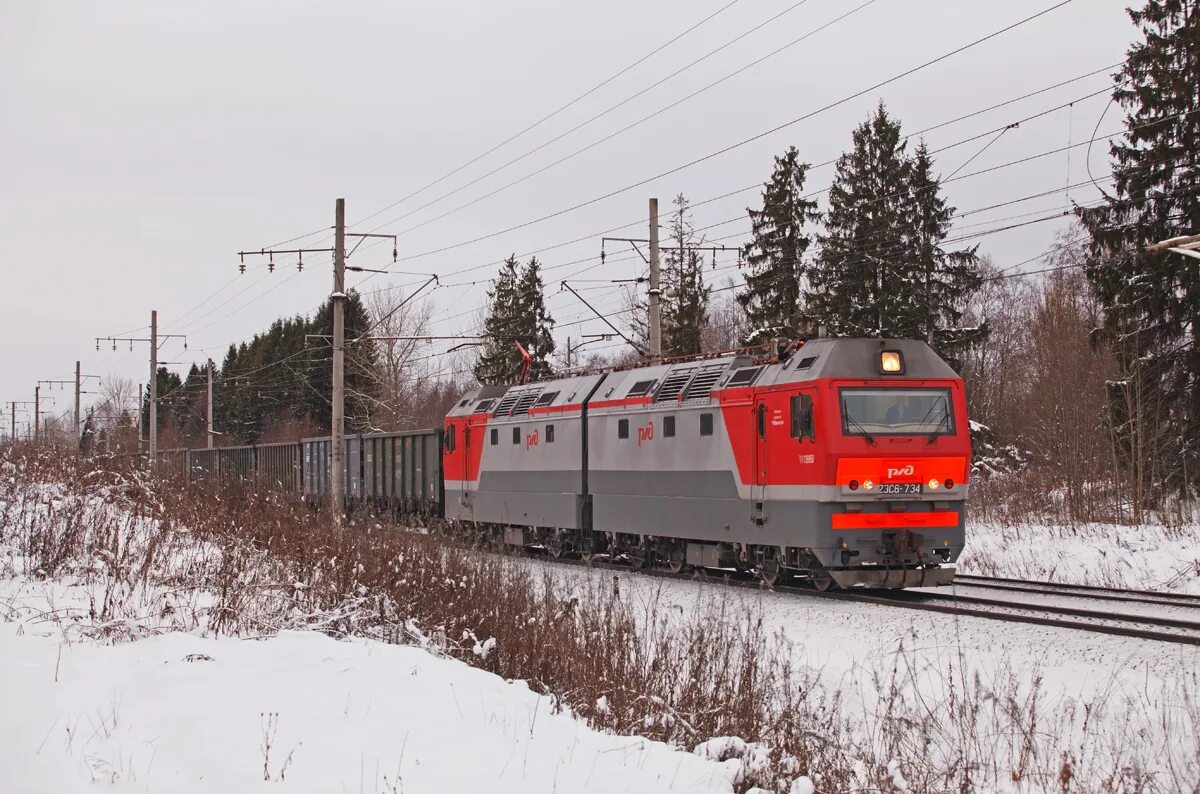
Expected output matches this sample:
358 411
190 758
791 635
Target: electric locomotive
843 462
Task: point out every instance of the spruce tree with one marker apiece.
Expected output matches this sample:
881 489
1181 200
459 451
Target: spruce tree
281 376
499 360
865 278
535 323
947 279
316 380
1152 300
192 406
685 296
168 385
777 279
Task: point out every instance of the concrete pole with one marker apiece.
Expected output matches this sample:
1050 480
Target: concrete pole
153 385
655 291
37 410
337 452
13 433
210 405
78 389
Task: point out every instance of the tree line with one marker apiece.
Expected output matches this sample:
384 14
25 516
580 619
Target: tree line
1088 372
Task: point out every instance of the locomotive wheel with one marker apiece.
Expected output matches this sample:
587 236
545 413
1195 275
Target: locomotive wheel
822 581
555 546
638 556
770 572
676 559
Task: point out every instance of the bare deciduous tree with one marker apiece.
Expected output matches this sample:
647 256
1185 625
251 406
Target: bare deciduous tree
400 370
996 369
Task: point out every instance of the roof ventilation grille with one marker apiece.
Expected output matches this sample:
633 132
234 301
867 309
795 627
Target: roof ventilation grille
506 404
673 384
525 402
704 381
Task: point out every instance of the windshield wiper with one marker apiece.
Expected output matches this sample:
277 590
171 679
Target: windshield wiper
943 422
936 405
851 420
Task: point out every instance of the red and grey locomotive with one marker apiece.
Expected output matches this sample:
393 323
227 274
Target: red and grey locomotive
844 463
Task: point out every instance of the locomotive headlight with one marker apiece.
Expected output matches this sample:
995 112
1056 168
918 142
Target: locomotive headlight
891 362
868 485
934 484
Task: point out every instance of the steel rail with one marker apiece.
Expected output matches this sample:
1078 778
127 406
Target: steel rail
1152 620
1083 590
904 602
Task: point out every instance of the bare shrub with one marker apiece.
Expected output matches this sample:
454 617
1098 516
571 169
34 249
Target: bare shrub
253 564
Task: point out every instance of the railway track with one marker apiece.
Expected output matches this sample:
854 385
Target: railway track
1183 630
1080 591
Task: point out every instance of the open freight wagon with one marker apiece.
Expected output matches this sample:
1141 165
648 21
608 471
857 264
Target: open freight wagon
399 472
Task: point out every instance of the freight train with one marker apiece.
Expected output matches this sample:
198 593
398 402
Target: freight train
841 462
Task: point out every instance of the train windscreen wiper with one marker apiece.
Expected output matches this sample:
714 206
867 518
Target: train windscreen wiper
936 405
852 421
944 422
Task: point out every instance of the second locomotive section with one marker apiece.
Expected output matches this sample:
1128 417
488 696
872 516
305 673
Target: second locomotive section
845 464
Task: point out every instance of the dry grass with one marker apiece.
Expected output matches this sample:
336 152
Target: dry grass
155 557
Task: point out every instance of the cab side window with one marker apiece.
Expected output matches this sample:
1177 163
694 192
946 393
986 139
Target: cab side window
451 437
802 416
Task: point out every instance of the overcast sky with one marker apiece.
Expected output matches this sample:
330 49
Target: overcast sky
145 143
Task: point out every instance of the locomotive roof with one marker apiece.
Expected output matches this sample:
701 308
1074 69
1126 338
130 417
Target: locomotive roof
858 358
693 380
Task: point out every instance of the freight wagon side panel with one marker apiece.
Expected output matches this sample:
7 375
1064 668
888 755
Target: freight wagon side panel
354 485
203 465
172 463
278 466
402 471
235 467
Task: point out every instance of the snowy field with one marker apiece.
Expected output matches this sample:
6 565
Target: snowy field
299 712
131 683
1093 690
1147 557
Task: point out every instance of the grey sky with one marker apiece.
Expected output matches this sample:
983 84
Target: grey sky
145 143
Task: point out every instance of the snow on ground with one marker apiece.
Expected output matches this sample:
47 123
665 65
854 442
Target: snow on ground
1146 557
1085 689
184 713
188 712
846 640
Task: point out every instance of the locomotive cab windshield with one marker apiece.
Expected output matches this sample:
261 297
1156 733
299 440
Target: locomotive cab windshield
896 411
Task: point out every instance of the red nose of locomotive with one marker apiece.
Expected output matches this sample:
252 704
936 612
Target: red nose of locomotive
901 461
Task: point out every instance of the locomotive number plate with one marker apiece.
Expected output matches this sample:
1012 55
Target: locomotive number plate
900 489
